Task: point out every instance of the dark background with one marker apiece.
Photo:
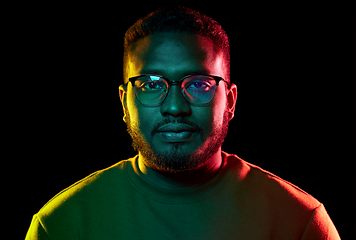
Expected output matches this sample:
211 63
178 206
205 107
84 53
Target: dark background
294 115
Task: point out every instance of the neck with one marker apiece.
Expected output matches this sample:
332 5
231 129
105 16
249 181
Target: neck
183 179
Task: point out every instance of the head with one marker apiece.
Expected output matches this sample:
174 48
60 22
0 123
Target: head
177 135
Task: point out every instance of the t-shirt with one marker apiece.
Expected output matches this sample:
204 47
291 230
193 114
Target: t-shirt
242 201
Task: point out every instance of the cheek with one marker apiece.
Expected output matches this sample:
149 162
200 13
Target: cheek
132 109
219 107
211 116
141 118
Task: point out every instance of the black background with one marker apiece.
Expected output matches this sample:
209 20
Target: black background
294 114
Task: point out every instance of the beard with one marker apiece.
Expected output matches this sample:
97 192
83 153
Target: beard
176 160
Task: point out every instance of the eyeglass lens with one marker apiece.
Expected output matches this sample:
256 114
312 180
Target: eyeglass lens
197 89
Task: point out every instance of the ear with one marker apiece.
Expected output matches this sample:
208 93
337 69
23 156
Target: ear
231 100
123 98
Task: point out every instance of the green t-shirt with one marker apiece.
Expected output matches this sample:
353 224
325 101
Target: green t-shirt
243 201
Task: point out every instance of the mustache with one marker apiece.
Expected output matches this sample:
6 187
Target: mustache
176 121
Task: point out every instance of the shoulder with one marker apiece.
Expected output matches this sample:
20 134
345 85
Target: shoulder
277 203
257 181
69 203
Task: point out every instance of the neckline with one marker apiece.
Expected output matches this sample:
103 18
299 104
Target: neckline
179 195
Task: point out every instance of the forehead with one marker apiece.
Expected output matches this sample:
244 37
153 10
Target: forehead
174 55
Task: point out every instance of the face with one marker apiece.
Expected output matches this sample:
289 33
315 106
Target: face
177 136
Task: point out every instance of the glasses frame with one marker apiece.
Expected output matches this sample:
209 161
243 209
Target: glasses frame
179 82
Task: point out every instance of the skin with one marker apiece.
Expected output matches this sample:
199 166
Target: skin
175 55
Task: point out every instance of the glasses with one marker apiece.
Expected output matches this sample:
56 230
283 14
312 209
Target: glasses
152 90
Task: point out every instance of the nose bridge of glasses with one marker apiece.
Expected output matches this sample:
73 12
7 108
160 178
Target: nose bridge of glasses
170 84
174 82
175 93
174 85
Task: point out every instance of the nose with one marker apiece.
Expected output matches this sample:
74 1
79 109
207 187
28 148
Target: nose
175 103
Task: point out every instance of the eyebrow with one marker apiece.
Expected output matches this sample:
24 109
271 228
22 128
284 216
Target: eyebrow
158 72
153 72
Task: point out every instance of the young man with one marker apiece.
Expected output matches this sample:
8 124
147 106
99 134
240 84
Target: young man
178 100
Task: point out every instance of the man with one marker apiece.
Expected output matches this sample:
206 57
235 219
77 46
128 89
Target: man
178 99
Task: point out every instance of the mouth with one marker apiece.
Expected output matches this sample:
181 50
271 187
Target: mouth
175 136
176 132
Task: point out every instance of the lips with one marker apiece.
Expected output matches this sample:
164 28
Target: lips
176 132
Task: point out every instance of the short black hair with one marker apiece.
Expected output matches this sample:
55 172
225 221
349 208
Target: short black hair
177 19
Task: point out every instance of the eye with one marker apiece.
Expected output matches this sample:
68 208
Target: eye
151 86
150 83
199 86
154 85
